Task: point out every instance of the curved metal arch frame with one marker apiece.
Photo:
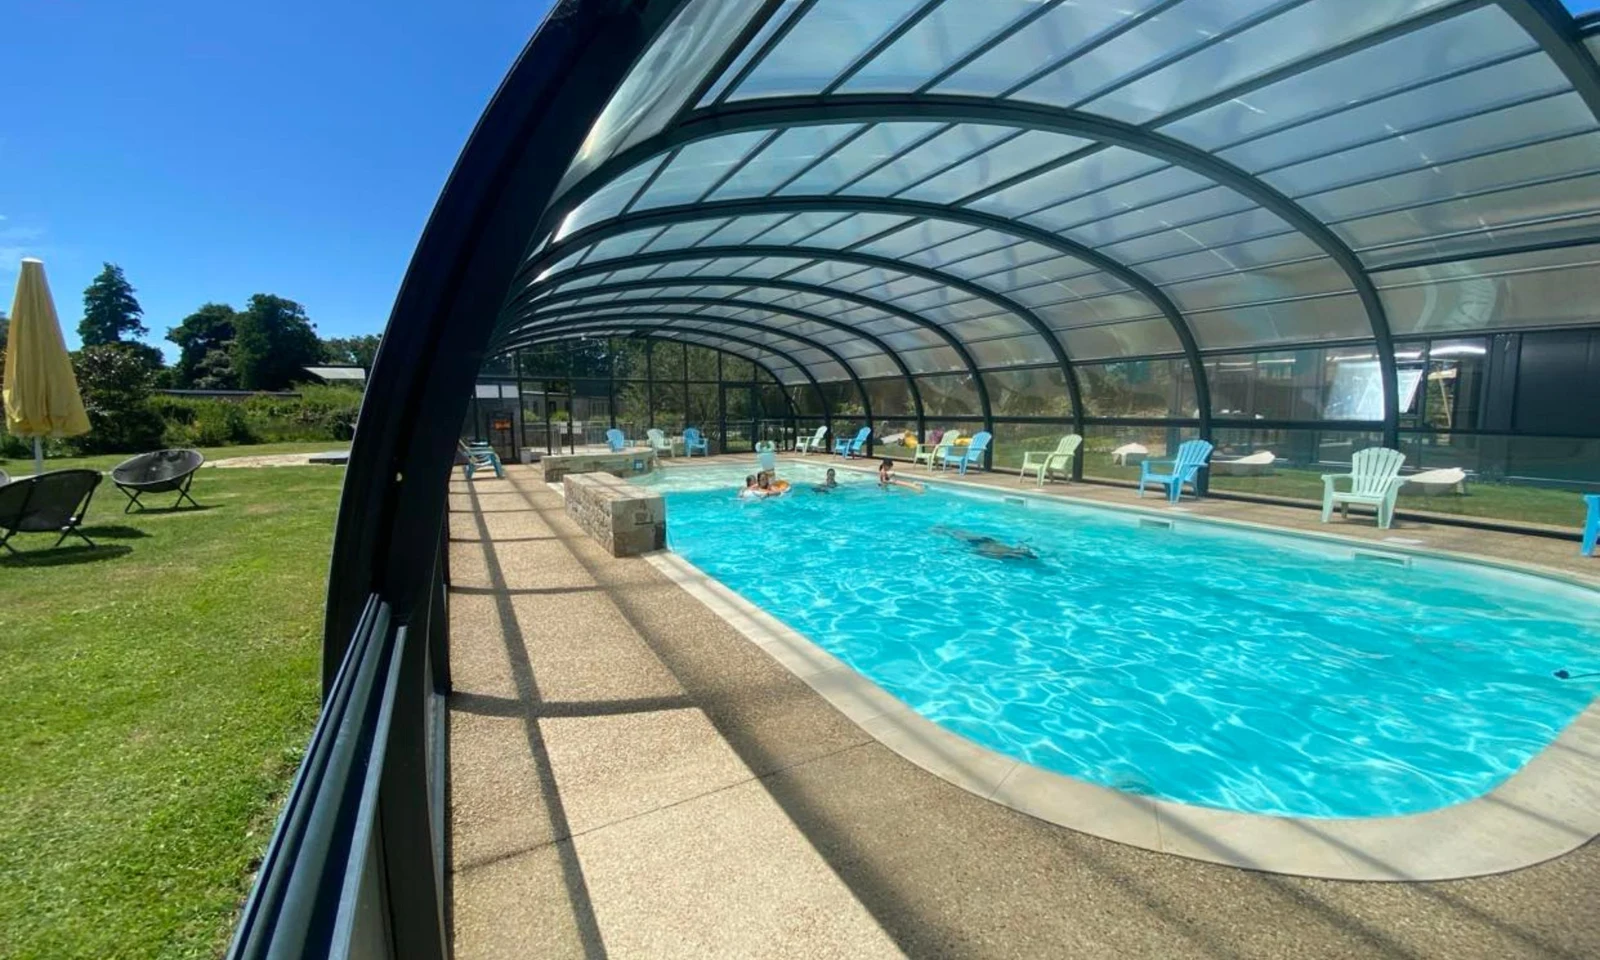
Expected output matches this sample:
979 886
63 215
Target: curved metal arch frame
792 111
1032 319
911 380
794 413
950 340
560 321
1560 35
917 210
578 326
798 287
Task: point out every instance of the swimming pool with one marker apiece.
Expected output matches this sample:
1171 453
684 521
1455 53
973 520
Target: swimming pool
1197 663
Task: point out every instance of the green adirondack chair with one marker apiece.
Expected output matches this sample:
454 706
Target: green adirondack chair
925 451
1374 482
1041 462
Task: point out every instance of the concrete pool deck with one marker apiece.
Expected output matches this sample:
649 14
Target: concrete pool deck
630 776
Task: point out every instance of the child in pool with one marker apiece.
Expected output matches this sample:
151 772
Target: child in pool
887 479
829 482
751 489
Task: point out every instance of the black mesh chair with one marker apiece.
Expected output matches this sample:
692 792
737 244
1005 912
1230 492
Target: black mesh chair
53 502
164 471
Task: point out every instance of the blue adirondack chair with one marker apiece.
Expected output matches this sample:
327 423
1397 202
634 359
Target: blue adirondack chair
971 453
477 456
849 448
1591 526
1186 467
692 441
615 440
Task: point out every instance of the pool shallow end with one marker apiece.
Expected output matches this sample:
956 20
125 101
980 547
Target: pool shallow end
1548 808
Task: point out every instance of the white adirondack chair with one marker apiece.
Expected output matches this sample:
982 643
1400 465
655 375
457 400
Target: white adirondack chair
805 445
1041 462
1374 481
659 442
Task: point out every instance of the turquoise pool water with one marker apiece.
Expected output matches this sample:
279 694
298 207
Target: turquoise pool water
1254 672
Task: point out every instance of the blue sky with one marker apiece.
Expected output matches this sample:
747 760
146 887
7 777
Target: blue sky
216 150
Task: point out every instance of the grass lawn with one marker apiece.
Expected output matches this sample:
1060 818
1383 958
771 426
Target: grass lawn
159 691
23 466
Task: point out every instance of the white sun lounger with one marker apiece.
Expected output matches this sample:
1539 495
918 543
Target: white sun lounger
1432 483
1258 464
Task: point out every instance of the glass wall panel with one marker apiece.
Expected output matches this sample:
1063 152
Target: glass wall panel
1132 389
666 360
890 398
702 363
737 369
739 413
633 410
1303 456
670 407
843 400
949 396
1013 440
1114 452
703 412
807 402
628 358
1336 383
1039 392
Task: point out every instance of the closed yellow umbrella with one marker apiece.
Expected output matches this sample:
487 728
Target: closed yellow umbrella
41 393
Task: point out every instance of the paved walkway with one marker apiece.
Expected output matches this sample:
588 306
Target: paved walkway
630 777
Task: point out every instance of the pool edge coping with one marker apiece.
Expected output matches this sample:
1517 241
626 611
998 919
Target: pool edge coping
1549 807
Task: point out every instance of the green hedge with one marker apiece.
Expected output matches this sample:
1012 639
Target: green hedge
318 413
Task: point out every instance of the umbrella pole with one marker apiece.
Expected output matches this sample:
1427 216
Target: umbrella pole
38 456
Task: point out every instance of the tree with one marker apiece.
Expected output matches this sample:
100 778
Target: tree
273 343
357 351
215 372
115 385
110 310
208 330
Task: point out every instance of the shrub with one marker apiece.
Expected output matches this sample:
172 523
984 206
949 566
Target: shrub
115 385
318 413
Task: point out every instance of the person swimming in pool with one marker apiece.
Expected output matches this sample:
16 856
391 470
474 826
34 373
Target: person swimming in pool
751 490
887 479
987 546
829 483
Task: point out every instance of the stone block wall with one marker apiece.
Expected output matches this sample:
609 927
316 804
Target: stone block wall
628 463
625 519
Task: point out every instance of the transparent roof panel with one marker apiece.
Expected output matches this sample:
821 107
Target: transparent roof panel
1021 151
1414 60
830 35
1092 173
859 155
1298 31
1062 32
946 34
1431 132
661 81
934 155
1138 339
779 161
1547 288
696 167
1188 26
